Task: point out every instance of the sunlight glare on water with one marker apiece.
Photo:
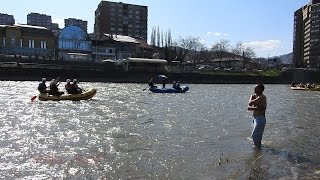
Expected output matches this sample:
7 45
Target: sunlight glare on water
125 133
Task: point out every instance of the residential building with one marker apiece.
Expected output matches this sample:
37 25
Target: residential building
103 50
126 46
27 41
76 22
306 37
6 19
121 19
37 19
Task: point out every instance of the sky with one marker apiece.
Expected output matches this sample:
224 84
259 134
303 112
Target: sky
264 25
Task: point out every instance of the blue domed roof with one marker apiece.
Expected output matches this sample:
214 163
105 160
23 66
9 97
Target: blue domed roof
73 33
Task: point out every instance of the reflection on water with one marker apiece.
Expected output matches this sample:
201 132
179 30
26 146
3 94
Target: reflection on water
127 133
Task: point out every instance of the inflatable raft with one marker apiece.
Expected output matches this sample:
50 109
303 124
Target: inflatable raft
305 89
169 90
86 94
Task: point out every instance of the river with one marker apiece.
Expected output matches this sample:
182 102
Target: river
127 133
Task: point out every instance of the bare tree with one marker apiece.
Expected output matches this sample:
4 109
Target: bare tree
158 36
221 48
238 49
248 53
153 36
188 47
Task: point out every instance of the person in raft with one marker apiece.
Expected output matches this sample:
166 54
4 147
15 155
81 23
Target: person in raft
152 84
258 104
68 86
54 88
75 88
42 87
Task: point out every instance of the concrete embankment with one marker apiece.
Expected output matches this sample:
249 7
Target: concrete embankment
117 76
107 73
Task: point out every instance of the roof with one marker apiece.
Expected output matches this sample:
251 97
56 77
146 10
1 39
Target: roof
30 26
144 60
122 38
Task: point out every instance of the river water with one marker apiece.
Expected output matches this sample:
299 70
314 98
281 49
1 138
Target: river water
127 133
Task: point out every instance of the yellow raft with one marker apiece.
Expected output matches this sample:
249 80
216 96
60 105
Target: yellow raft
86 94
305 89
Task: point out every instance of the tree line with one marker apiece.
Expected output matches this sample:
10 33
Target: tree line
191 49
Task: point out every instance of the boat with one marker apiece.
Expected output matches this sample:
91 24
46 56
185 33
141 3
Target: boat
306 89
169 90
86 94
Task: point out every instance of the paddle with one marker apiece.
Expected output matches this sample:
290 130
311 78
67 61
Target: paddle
33 98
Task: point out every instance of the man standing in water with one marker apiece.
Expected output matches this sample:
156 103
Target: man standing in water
258 104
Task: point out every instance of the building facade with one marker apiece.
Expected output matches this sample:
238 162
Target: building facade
121 19
74 44
76 22
306 37
36 19
27 41
6 19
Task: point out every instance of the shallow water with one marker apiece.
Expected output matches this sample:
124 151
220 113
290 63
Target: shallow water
127 133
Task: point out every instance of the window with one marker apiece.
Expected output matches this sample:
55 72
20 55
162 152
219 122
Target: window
43 44
21 43
4 41
13 39
31 43
110 51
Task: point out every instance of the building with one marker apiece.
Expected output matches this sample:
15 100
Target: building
121 19
76 22
6 19
103 50
74 44
144 65
27 41
306 37
36 19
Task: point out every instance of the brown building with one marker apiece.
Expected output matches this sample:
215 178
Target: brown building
27 41
121 19
306 37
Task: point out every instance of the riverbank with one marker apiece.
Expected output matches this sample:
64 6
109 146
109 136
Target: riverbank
108 73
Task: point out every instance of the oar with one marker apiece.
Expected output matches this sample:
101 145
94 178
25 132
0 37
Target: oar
33 98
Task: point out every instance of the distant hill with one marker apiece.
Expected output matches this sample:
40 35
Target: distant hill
286 58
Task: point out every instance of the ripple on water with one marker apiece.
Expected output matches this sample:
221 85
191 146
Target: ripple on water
124 132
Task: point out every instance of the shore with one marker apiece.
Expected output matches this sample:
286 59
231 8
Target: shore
106 73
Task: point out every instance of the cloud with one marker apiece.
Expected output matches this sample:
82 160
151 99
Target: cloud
217 34
266 48
264 45
60 22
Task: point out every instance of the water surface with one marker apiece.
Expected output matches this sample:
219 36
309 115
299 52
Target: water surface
127 133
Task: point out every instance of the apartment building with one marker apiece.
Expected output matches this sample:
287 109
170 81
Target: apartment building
37 19
6 19
76 22
121 19
306 37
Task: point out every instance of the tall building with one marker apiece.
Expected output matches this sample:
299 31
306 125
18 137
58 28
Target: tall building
76 22
121 19
306 37
37 19
6 19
